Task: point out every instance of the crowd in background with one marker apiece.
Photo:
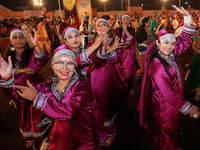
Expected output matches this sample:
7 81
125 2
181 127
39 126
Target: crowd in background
111 59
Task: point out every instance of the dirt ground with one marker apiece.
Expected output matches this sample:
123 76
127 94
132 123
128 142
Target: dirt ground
130 135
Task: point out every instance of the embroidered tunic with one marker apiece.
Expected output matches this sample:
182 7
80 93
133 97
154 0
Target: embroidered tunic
108 87
162 101
128 63
29 118
74 126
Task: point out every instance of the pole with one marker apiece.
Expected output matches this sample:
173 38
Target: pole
179 3
164 5
104 6
59 8
122 5
129 5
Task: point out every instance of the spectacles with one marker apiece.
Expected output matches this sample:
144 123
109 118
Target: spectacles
60 64
71 36
18 37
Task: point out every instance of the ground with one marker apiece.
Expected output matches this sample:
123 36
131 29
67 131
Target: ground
130 135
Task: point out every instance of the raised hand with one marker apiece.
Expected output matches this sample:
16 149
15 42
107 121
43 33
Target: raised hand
98 41
28 93
115 45
187 17
99 32
5 68
34 39
181 10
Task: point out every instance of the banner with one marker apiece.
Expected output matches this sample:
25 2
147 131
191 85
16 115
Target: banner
70 8
138 9
11 14
84 7
32 13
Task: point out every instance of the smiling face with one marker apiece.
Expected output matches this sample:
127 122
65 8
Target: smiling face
125 21
64 67
73 39
102 28
166 46
18 40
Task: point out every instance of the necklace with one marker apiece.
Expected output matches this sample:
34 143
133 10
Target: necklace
170 60
67 86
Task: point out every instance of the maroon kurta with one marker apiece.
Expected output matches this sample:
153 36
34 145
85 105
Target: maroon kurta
74 126
108 87
128 63
162 101
29 118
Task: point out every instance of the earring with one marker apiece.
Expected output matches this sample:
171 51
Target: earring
55 78
12 48
81 48
26 46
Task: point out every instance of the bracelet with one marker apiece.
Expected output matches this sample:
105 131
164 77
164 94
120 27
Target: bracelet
33 98
7 78
36 45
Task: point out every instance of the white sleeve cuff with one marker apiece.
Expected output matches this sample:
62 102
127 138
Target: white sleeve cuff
39 56
40 101
187 19
84 58
7 83
112 55
186 108
99 55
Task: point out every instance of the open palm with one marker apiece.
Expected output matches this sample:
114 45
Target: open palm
34 39
5 68
181 10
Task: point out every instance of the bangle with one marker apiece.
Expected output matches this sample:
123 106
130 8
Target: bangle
33 98
7 78
35 45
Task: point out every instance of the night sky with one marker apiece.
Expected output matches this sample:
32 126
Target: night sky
110 4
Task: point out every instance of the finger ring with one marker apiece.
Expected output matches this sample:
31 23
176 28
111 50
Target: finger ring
195 116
